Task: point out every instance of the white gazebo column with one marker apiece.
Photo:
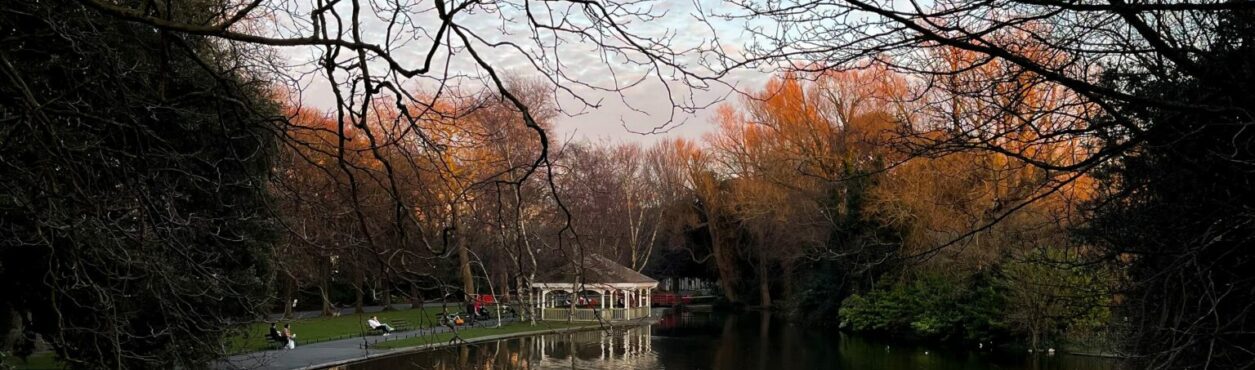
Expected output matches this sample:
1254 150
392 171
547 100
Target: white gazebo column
543 302
649 302
627 304
603 299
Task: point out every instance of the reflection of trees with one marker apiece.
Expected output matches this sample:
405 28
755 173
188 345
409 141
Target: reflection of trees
764 338
616 348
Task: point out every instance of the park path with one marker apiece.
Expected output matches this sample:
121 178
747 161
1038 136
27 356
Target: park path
330 352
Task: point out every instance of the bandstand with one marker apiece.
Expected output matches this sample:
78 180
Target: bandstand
598 289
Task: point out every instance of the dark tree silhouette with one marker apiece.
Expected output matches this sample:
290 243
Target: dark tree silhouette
132 188
1178 209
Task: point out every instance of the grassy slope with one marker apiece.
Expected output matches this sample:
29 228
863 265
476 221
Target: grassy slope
307 331
42 361
331 328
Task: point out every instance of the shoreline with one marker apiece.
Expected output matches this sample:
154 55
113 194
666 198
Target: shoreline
433 346
1115 356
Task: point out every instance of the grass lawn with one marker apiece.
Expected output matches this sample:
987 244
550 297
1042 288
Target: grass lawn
511 328
42 361
331 328
307 331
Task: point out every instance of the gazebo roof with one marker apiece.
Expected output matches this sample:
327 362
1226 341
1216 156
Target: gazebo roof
598 270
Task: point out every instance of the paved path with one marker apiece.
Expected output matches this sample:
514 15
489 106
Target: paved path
304 356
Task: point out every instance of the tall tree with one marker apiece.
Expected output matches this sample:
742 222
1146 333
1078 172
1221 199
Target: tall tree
1178 209
133 168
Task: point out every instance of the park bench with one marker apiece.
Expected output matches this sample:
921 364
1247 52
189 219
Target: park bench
399 324
396 324
278 340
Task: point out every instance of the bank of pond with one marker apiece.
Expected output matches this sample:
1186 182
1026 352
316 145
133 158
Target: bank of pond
747 340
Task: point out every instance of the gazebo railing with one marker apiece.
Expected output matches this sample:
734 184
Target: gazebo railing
592 314
580 314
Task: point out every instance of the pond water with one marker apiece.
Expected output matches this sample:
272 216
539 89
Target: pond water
693 341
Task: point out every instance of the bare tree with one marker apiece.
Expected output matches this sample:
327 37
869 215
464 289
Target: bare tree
1115 73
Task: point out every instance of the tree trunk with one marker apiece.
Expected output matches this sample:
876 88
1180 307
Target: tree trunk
416 300
289 292
789 287
764 282
724 262
464 266
504 295
324 287
387 293
359 281
11 328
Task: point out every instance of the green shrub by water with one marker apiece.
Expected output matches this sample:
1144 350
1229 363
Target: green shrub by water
1032 304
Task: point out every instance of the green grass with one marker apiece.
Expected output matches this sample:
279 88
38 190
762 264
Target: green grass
331 328
41 361
471 333
307 331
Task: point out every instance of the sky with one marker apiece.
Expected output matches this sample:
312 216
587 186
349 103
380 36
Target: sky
644 113
584 71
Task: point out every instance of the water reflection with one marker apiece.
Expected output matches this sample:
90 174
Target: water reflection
596 349
703 341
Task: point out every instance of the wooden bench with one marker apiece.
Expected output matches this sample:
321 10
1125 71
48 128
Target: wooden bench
279 341
400 324
396 324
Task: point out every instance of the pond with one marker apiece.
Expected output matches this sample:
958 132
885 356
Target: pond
692 341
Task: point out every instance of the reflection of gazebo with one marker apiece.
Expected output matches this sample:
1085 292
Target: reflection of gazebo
621 293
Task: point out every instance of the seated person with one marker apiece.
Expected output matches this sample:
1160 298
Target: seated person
291 337
376 325
275 335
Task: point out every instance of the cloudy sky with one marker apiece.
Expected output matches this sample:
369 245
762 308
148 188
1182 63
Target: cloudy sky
624 95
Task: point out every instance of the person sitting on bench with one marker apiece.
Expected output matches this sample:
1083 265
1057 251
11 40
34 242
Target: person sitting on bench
276 336
289 335
376 325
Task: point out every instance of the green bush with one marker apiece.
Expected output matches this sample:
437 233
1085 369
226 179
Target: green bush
1031 302
928 307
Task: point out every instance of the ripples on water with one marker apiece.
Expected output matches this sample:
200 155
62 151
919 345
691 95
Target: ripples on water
693 341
